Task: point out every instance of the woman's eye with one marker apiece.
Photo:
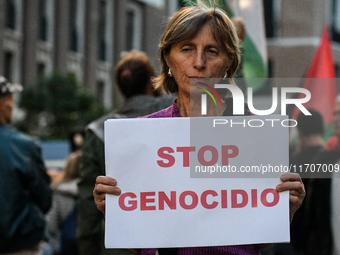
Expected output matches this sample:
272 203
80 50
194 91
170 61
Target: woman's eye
213 52
186 49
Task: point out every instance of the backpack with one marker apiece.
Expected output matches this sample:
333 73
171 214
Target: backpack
68 241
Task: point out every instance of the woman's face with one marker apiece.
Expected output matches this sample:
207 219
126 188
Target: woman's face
200 57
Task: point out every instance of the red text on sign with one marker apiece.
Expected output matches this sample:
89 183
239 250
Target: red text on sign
209 199
168 159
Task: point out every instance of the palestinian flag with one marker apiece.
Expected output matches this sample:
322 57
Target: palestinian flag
321 83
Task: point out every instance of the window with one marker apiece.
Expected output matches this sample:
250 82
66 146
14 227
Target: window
272 16
42 20
10 14
8 60
129 29
73 26
102 31
134 27
335 26
268 6
41 70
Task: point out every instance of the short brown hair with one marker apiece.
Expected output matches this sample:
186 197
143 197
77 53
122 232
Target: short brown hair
185 25
133 73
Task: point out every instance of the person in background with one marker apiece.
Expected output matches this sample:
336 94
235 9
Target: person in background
305 227
333 156
24 184
133 76
199 42
311 130
322 220
65 193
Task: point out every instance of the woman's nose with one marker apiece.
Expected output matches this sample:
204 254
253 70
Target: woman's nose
199 62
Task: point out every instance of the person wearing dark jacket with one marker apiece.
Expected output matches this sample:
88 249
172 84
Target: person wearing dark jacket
134 78
24 184
310 228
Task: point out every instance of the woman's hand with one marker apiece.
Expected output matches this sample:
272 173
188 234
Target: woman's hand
104 185
293 183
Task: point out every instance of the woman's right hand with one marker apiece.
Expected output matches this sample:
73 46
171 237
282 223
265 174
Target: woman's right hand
104 185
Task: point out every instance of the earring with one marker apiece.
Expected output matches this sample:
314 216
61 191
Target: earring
225 76
170 73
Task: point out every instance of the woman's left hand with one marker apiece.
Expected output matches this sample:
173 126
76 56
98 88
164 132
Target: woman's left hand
293 183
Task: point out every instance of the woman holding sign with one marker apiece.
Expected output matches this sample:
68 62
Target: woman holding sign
199 42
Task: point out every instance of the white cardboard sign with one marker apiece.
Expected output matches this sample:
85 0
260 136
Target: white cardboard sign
164 207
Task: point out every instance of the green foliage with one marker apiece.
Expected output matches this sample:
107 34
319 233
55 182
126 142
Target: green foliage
56 105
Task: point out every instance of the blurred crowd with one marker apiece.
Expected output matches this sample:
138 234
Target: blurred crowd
46 211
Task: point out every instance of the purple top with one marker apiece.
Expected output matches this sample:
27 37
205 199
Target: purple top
170 112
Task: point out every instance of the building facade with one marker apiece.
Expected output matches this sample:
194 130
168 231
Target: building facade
294 30
84 37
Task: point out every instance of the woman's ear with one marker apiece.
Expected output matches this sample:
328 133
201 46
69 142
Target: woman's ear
167 59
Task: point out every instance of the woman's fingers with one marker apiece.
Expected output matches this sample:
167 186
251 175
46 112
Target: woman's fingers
104 185
107 185
293 183
106 189
106 180
290 177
